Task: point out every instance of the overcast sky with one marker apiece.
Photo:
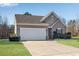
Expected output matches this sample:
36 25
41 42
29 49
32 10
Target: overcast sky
67 11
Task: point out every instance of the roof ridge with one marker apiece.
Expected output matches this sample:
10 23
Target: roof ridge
29 15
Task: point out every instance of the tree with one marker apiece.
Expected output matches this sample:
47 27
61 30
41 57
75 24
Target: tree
5 29
77 26
0 26
63 20
71 27
27 13
0 19
11 29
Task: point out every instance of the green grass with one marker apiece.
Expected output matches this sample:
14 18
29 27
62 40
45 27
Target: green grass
75 36
12 49
70 42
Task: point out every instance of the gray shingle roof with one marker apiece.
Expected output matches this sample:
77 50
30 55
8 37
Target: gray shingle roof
20 18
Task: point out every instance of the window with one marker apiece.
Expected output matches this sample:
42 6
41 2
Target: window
59 30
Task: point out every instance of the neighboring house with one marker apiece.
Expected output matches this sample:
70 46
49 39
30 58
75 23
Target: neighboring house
31 27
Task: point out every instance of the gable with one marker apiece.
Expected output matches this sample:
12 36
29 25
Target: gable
51 18
58 24
48 15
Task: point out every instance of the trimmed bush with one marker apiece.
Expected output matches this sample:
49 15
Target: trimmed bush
58 35
61 36
68 35
15 38
55 35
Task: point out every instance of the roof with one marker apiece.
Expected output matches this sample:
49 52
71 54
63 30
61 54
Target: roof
20 18
50 13
32 19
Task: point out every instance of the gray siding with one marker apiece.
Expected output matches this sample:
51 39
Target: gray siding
59 25
50 20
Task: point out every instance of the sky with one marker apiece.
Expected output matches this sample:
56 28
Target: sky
63 10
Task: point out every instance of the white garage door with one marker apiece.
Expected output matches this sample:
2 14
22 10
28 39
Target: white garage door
33 33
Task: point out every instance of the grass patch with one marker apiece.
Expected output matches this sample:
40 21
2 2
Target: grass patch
12 49
70 42
75 36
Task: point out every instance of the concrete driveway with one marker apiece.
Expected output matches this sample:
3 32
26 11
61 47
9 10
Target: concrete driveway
50 48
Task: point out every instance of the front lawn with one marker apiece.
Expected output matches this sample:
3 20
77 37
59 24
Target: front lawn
75 37
69 42
12 49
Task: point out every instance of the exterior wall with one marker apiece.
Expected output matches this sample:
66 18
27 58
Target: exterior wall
59 25
15 28
18 31
50 20
53 20
47 35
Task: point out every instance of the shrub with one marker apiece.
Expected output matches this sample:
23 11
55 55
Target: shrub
55 35
14 38
61 36
58 35
67 35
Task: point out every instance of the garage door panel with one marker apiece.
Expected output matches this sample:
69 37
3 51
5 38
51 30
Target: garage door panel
33 33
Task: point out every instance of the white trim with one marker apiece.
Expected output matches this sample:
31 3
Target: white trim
41 24
55 23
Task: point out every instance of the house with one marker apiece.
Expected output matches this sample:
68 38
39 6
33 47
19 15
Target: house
31 27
